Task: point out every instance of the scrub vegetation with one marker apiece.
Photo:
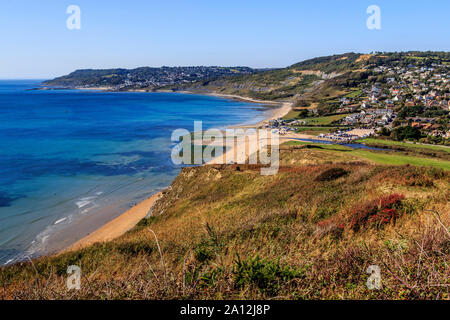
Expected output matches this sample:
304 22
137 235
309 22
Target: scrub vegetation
309 232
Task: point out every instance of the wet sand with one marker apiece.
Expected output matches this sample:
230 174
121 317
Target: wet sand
118 226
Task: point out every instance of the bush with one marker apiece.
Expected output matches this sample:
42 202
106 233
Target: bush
379 211
264 274
333 226
208 279
203 253
206 249
331 174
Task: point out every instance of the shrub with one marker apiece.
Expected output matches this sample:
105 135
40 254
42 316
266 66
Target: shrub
145 222
333 226
379 211
203 253
206 249
331 174
412 176
208 279
266 275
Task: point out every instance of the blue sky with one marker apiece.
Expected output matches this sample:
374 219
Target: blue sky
35 42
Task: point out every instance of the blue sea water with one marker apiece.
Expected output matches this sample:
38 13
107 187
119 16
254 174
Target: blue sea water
67 154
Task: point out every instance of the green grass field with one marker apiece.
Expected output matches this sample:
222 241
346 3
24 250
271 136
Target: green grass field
336 147
388 158
321 121
315 131
292 115
395 159
404 144
354 93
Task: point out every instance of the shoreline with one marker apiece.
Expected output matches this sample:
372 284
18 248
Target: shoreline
127 220
131 217
284 107
116 227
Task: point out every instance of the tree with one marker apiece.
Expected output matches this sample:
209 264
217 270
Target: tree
406 133
303 113
385 132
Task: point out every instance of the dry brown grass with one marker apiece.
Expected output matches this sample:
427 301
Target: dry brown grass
212 217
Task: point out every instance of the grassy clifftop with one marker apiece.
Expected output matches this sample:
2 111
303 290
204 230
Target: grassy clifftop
309 232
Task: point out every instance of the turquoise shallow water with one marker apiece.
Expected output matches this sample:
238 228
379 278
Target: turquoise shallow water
66 154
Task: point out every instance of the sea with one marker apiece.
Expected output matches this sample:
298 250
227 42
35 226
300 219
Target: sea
69 155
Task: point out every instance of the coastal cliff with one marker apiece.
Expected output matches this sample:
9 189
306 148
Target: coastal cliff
309 232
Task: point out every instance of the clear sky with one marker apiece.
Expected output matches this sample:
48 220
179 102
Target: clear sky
35 42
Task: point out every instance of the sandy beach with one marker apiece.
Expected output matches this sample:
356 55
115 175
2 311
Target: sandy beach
94 88
117 227
275 113
126 221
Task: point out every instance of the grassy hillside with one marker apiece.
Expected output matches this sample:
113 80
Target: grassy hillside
143 77
305 78
406 145
414 156
317 83
309 232
335 63
280 84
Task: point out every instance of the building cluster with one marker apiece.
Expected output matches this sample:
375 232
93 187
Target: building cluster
379 103
348 135
147 77
282 126
371 118
412 85
409 95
